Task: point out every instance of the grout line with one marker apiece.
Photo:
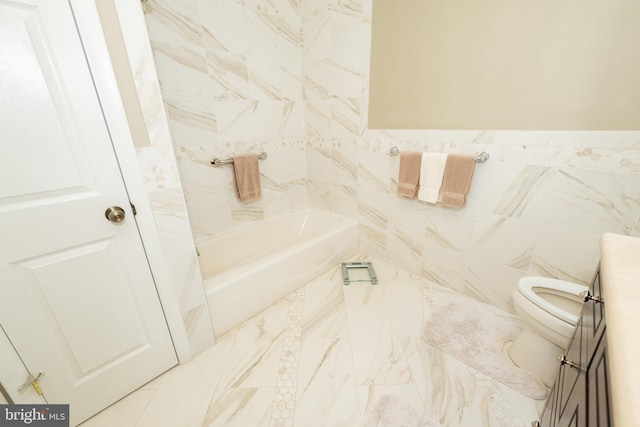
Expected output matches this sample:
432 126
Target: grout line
284 401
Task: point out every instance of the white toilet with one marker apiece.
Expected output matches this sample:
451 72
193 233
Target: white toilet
550 310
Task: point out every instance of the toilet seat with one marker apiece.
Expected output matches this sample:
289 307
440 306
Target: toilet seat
548 324
526 287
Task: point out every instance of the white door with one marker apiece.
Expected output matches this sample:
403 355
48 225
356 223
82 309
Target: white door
77 299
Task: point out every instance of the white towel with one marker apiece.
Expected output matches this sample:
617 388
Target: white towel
431 173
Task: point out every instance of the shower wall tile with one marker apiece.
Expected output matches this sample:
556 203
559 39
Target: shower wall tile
347 39
209 215
235 119
275 77
345 115
344 168
374 208
211 194
231 77
293 120
223 25
183 71
272 27
228 73
344 200
318 80
172 221
317 116
319 194
193 121
173 24
319 163
316 30
293 158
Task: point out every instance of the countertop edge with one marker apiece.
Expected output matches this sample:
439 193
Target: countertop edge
620 277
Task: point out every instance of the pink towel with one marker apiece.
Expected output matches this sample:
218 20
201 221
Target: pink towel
245 168
458 172
409 173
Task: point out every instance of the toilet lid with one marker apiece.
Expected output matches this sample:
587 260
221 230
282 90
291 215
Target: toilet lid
527 284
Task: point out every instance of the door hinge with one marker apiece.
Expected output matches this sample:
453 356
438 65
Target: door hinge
133 208
33 382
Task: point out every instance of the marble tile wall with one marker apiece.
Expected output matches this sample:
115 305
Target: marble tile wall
537 207
230 73
291 78
158 166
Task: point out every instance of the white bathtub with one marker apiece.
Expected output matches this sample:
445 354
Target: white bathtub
249 269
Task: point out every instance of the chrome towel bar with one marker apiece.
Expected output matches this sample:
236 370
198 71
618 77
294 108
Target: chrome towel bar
480 157
221 162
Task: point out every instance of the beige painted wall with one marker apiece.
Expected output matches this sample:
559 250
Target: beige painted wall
505 64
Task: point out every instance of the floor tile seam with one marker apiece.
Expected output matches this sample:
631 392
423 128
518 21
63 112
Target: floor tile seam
146 406
155 391
216 389
351 355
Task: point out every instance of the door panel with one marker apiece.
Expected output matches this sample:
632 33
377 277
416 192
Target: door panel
77 299
82 316
31 90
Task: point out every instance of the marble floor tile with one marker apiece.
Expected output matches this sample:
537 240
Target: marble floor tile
124 412
322 357
255 353
327 394
324 314
377 354
240 407
186 389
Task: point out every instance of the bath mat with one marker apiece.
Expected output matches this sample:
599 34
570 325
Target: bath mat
473 334
392 411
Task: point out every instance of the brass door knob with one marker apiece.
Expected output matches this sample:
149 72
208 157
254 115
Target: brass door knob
114 214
